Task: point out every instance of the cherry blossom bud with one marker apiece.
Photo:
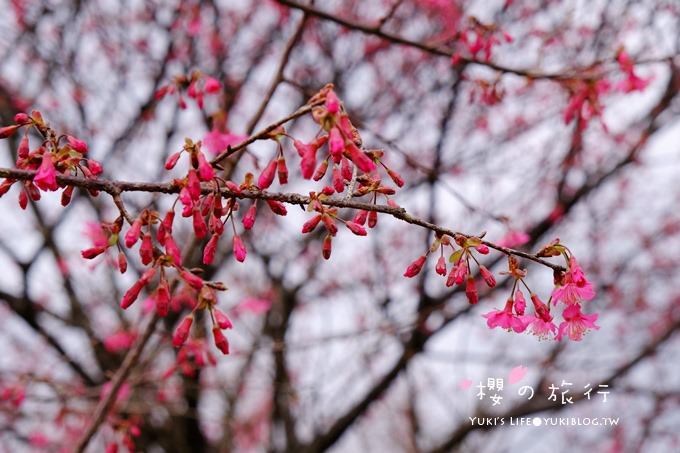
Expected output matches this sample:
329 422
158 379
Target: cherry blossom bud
192 280
193 185
329 223
328 190
471 290
172 250
239 249
46 177
321 170
372 219
93 252
23 150
122 262
222 320
66 195
332 103
200 228
78 145
146 249
360 217
487 276
311 224
356 229
282 170
338 183
277 207
249 218
415 267
133 233
346 169
163 299
8 131
220 340
23 199
326 248
205 170
483 249
179 337
210 249
172 160
308 155
336 144
131 294
541 309
212 85
22 119
395 177
440 268
94 167
267 176
360 158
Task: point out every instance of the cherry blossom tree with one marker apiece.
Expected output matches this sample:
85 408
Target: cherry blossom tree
305 226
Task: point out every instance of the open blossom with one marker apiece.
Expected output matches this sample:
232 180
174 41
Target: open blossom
46 177
506 319
216 141
575 287
539 327
575 323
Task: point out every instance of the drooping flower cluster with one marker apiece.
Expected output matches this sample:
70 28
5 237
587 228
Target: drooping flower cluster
56 155
572 288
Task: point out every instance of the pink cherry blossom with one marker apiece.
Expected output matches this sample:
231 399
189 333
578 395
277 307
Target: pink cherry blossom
575 323
216 141
575 287
505 319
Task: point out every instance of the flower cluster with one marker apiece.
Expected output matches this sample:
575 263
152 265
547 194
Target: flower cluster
480 38
56 155
196 86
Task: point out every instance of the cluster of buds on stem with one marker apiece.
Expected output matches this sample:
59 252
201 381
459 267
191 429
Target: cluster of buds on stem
56 155
196 86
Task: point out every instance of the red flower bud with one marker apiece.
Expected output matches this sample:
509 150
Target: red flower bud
172 250
78 145
360 158
8 131
172 160
487 276
66 195
239 249
360 217
441 266
205 170
356 229
372 219
332 103
133 233
23 150
95 167
122 262
471 291
483 249
22 119
336 144
277 207
321 170
415 267
211 85
193 185
249 218
282 170
146 250
192 280
267 176
308 155
222 320
179 337
329 223
311 224
326 248
93 252
210 249
200 228
163 299
338 183
220 340
395 177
